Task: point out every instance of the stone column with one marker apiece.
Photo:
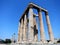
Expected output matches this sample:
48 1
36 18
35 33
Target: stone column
25 29
35 30
21 30
49 27
42 35
31 26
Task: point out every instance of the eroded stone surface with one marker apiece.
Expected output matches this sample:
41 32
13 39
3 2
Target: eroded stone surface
31 30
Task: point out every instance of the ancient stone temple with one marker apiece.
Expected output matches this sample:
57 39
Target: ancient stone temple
28 31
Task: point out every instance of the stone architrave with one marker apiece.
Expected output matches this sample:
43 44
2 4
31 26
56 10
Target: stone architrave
42 35
49 28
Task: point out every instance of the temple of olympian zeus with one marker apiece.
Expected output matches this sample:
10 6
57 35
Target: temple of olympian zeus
28 31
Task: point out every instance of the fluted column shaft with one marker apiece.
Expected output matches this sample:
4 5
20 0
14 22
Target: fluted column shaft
19 32
49 27
25 29
31 26
35 30
42 35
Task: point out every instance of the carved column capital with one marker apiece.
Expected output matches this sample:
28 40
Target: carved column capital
30 6
39 10
46 13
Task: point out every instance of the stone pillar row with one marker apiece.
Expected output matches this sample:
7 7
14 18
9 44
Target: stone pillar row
33 31
22 30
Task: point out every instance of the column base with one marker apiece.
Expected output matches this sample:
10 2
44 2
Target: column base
43 42
51 42
37 42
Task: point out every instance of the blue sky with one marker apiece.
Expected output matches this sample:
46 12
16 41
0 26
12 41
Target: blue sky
11 11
